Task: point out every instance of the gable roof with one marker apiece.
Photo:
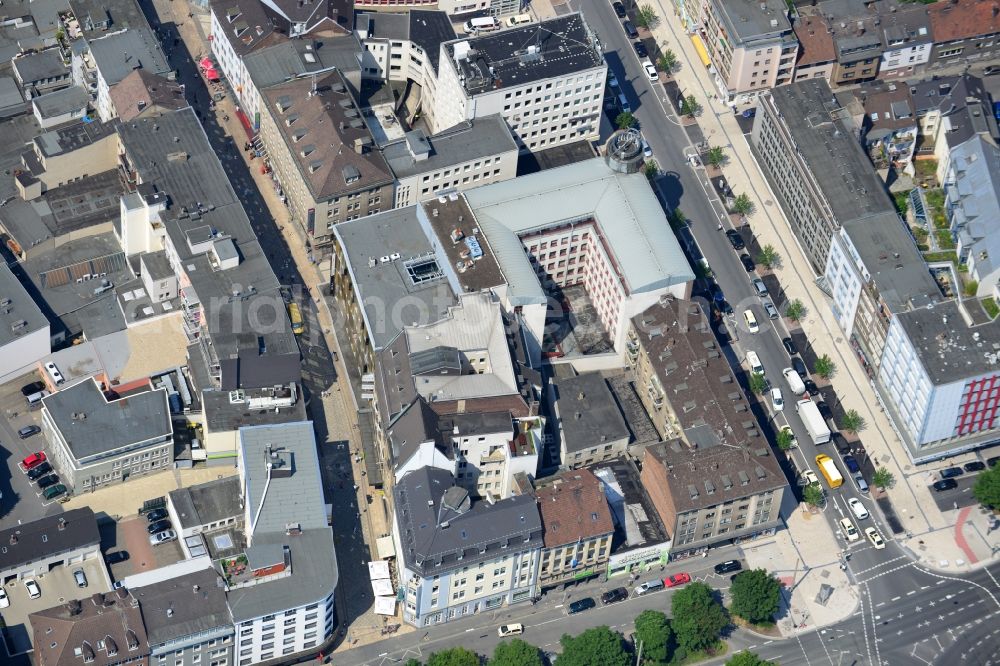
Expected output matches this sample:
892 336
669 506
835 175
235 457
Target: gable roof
573 508
106 628
961 20
141 90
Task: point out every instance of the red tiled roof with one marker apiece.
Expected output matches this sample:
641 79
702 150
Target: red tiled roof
815 40
963 19
574 508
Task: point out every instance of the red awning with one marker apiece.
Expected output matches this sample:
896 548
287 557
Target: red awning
206 63
211 74
245 121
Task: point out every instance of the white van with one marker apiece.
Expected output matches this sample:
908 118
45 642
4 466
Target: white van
36 398
753 361
519 19
481 25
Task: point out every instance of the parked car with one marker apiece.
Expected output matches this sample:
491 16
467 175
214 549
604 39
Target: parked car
640 49
630 29
793 441
945 484
650 586
28 431
824 409
38 472
677 580
809 477
48 480
974 466
748 263
80 578
772 312
728 566
614 596
759 287
860 482
852 464
514 629
55 491
777 400
789 346
800 368
724 307
33 590
735 239
875 538
158 526
34 460
581 605
116 557
809 384
839 441
848 530
857 508
619 9
162 537
951 472
651 72
751 321
32 388
156 514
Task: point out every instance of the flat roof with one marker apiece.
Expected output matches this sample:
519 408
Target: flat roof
588 413
60 102
184 606
636 519
750 20
209 502
19 314
448 214
949 348
626 210
518 56
484 136
221 414
298 57
91 425
41 66
117 55
826 145
383 284
97 17
60 533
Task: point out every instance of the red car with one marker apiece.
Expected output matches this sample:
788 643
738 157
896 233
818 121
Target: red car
677 580
34 460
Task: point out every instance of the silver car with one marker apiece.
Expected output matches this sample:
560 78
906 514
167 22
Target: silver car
162 537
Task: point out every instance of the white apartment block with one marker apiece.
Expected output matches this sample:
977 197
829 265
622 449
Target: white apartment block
456 8
550 91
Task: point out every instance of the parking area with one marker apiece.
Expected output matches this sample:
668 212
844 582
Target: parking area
131 535
958 497
20 497
56 586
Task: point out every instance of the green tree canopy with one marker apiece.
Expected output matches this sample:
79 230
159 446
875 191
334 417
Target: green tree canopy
852 421
598 645
652 628
825 367
646 17
742 205
795 310
716 156
690 106
515 653
698 618
769 257
785 439
883 478
624 120
413 662
458 656
667 61
756 595
758 384
987 488
746 658
813 495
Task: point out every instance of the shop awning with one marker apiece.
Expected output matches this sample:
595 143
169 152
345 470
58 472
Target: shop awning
378 570
385 547
385 605
699 46
247 127
382 588
212 74
206 63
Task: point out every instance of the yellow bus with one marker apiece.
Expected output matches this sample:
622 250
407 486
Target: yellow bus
293 313
829 471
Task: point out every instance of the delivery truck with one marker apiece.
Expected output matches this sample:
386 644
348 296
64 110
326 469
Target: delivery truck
829 471
794 381
813 421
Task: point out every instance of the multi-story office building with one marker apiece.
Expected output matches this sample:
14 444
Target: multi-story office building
579 529
550 89
460 9
323 155
403 46
459 557
750 44
94 441
591 429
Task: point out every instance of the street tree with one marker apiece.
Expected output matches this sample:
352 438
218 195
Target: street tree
883 478
652 630
852 422
516 653
677 219
987 488
597 645
769 257
646 17
758 384
742 205
825 367
746 658
698 619
625 120
756 596
458 656
813 495
716 156
690 106
785 439
413 662
651 169
667 61
795 310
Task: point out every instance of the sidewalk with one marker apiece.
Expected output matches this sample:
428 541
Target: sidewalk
915 507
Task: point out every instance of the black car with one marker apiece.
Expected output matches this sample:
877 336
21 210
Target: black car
728 566
46 481
852 464
824 410
156 514
838 441
992 462
789 346
724 307
640 49
116 557
28 431
951 472
36 473
581 605
158 526
810 386
735 239
614 596
800 367
32 388
974 466
619 9
748 263
945 484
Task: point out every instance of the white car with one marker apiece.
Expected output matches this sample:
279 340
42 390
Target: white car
875 538
651 72
751 321
510 629
849 531
4 601
777 400
32 588
810 477
646 150
857 508
162 537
